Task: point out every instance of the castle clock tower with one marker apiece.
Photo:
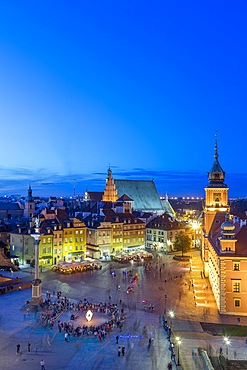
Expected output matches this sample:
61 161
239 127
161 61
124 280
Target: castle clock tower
216 192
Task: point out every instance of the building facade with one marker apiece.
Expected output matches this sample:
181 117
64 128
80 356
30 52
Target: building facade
225 246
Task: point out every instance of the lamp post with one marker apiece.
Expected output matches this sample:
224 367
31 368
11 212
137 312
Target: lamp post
178 343
171 315
165 304
36 299
227 342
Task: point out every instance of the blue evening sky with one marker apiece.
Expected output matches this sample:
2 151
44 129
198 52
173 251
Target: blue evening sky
140 85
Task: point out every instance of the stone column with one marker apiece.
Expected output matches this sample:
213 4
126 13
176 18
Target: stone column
36 299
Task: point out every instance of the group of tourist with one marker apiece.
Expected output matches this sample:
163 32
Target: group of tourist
115 317
52 312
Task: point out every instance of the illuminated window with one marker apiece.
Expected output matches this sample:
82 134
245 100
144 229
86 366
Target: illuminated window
236 266
44 240
236 286
237 302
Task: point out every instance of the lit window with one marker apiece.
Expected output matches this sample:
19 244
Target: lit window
236 266
236 286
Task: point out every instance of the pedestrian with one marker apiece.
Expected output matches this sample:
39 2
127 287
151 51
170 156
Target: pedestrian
29 346
117 338
66 337
42 364
119 351
18 346
123 350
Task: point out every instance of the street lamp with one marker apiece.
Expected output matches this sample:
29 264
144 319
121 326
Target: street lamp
195 226
227 342
178 343
171 315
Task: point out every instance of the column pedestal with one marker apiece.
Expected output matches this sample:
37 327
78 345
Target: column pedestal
36 299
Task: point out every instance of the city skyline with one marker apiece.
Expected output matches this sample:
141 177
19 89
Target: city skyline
142 87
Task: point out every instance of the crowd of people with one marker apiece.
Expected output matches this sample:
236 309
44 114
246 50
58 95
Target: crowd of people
52 314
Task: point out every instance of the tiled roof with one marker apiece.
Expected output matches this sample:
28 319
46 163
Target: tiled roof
9 206
165 222
125 198
168 208
240 232
143 192
95 195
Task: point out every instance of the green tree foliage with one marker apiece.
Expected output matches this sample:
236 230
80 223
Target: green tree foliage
182 242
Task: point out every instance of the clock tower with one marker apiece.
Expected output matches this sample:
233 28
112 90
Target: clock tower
216 199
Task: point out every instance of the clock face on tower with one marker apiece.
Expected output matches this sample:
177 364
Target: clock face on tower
217 197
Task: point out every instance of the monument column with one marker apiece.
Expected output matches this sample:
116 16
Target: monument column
36 299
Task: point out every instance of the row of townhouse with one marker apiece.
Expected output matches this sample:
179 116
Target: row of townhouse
66 239
59 241
114 233
63 238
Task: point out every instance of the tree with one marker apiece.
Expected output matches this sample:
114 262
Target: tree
182 242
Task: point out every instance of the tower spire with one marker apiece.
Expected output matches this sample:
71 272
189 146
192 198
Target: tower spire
216 174
216 155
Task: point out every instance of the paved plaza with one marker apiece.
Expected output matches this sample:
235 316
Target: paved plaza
166 286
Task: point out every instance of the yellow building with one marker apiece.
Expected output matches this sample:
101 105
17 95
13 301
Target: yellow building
74 239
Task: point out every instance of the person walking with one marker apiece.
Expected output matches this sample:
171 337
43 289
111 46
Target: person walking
18 346
123 351
29 347
117 338
42 364
119 351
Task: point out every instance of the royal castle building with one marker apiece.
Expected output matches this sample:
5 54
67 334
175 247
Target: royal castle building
225 245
